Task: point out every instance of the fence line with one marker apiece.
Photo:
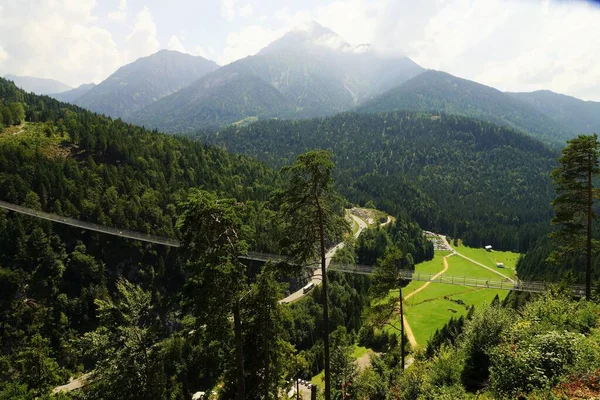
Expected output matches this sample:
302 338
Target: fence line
523 286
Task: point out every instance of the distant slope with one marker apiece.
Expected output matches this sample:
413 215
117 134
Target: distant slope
71 95
315 70
38 85
442 92
144 81
486 183
577 115
221 98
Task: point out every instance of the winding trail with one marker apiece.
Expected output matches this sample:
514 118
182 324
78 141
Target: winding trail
407 329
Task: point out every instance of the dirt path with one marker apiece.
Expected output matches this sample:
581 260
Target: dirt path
73 384
407 329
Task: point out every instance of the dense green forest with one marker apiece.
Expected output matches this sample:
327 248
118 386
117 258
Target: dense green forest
152 322
74 163
455 175
436 91
74 301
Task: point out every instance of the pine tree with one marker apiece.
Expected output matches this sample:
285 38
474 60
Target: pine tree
573 205
312 214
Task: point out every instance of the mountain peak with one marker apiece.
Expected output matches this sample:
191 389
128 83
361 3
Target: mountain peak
309 35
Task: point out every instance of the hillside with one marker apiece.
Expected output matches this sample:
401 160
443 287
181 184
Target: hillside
38 85
144 81
71 95
314 69
456 175
441 92
71 162
577 115
221 98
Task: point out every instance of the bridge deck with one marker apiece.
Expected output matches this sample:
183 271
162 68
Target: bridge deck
535 287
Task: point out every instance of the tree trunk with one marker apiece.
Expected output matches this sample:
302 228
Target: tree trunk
239 352
588 250
401 325
325 305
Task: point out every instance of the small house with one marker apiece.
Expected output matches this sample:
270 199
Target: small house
488 247
500 265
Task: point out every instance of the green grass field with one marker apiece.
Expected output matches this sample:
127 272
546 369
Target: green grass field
459 267
432 307
508 258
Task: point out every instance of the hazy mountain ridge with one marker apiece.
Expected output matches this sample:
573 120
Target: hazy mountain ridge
312 67
38 85
221 98
71 95
144 81
442 92
577 115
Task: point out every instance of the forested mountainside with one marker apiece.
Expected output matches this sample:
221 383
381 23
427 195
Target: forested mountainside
575 114
308 72
435 91
74 163
71 95
38 85
144 81
74 301
456 175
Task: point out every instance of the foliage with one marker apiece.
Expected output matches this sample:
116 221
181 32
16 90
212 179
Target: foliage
115 174
575 199
436 91
481 182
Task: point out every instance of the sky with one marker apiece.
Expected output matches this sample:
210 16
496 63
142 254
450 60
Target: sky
511 45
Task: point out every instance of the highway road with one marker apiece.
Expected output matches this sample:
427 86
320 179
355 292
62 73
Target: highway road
316 275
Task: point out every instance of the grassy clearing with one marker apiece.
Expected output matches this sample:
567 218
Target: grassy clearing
508 258
359 351
39 137
431 308
460 267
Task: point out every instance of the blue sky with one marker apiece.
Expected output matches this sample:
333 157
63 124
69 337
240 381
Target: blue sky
511 45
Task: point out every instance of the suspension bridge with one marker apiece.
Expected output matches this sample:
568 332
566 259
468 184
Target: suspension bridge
508 284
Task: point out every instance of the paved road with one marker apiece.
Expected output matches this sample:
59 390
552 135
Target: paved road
316 276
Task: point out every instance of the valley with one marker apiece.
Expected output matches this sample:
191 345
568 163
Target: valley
243 202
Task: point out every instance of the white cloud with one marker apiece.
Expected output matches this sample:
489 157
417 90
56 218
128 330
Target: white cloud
228 9
247 42
246 11
175 44
121 13
56 39
119 16
142 40
508 44
231 8
3 54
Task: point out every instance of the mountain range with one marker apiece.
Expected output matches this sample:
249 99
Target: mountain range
312 72
38 85
314 69
144 81
71 95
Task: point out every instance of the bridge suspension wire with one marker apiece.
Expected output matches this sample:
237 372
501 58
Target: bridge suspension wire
126 233
524 286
